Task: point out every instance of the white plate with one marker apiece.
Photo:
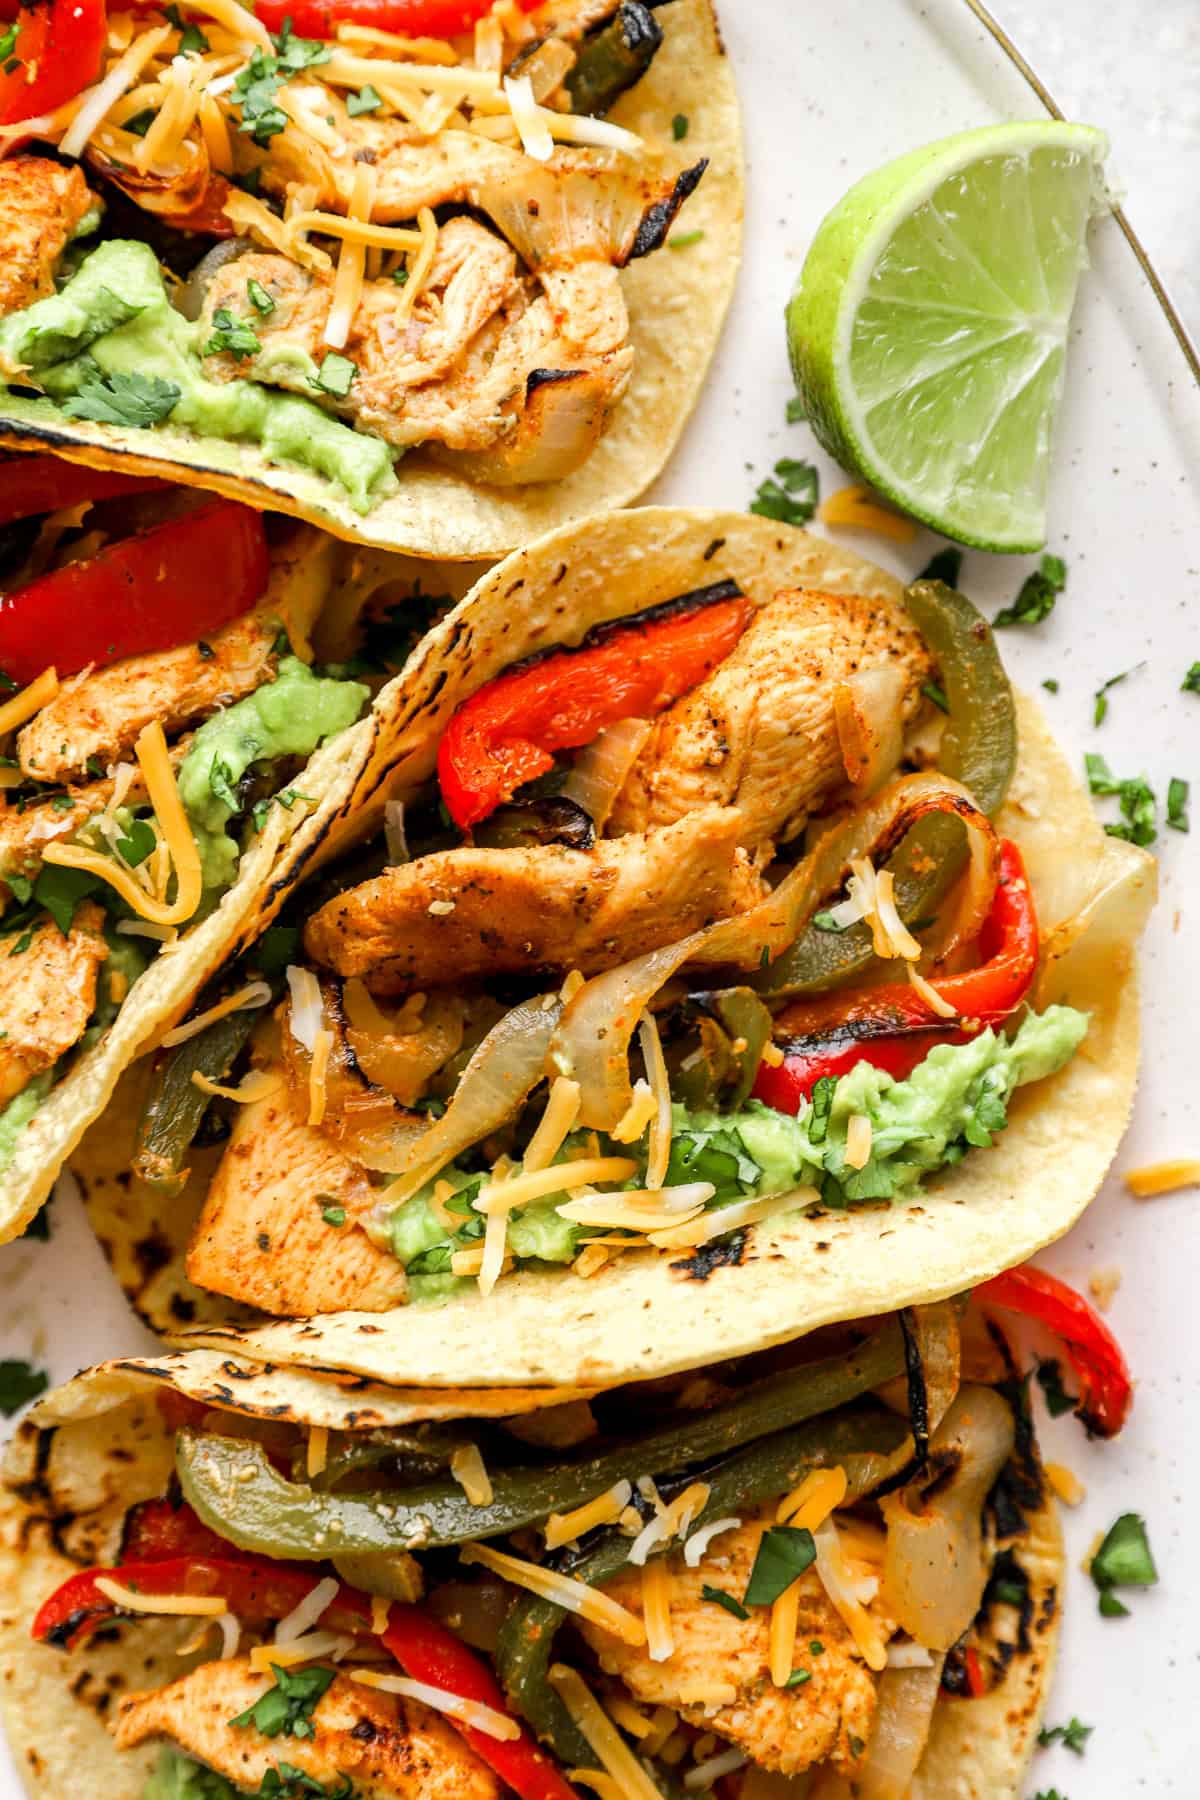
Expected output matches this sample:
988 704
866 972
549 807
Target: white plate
828 93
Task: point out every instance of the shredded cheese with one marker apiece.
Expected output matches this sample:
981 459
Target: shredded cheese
145 928
810 1504
236 20
671 1521
356 229
858 1141
434 50
562 1109
772 1055
257 1084
21 708
838 1584
667 1209
255 993
1103 1285
95 102
163 793
305 1013
656 1609
467 1468
317 1454
712 1769
1066 1484
618 1759
501 1197
528 118
781 1643
495 1245
483 1718
853 505
216 135
945 1009
637 1115
318 1070
697 1544
420 266
703 1227
659 1153
187 1606
605 1509
381 1609
348 282
576 1596
307 1612
629 1717
304 1649
1162 1178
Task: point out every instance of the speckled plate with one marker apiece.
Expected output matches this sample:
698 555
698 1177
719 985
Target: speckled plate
828 93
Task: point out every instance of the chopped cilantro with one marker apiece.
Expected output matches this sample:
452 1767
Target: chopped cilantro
683 240
20 1382
1177 804
944 565
1049 1794
191 40
1100 709
400 276
60 891
259 298
1191 681
290 1783
1138 805
792 499
334 1215
121 399
287 1708
825 921
720 1597
797 412
1050 685
933 690
256 90
1073 1736
798 1677
365 101
138 842
816 1647
220 782
1123 1560
1058 1400
231 335
1037 595
784 1553
679 125
822 1106
336 374
141 122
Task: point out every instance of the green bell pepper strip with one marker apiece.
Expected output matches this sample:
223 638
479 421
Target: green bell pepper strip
175 1105
237 1492
978 748
862 1443
612 59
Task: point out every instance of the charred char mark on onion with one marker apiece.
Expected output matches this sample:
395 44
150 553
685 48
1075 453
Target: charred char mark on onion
658 219
723 1252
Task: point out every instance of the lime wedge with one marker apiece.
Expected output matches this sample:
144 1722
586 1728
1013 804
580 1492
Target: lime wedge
928 330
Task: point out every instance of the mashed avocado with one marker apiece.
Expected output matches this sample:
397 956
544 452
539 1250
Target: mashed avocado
113 317
177 1777
17 1114
957 1099
289 716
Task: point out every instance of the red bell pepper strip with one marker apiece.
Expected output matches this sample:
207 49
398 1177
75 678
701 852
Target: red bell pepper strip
976 1685
58 47
504 735
891 1026
258 1590
161 1531
40 484
1106 1388
170 585
408 18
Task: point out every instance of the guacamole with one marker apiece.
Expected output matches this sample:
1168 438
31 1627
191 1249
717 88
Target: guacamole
955 1100
177 1777
113 317
289 716
17 1114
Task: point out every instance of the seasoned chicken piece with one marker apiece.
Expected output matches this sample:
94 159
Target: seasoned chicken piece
787 1729
389 1747
759 734
25 831
588 306
41 206
263 1237
98 714
470 912
47 996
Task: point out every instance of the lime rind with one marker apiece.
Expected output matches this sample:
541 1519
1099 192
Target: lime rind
928 329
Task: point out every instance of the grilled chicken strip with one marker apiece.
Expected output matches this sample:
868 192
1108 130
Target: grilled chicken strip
41 207
785 1729
263 1237
458 914
25 831
48 996
390 1747
759 734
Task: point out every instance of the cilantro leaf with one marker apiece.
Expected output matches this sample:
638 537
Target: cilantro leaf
679 127
721 1597
1138 804
783 1555
797 1678
683 240
287 1708
944 565
138 842
1123 1560
796 412
792 499
1050 685
1191 681
20 1382
365 101
1100 709
220 781
61 890
191 38
259 298
232 335
1073 1736
933 690
1058 1400
1037 595
120 399
297 52
1177 804
822 1105
336 374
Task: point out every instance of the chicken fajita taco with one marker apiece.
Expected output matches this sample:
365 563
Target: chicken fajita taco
832 1570
704 981
169 743
426 291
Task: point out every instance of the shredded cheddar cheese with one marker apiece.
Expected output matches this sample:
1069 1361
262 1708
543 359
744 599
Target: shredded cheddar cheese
501 1197
562 1109
1162 1178
854 506
659 1154
605 1509
467 1468
487 1719
257 1084
322 1045
596 1726
1066 1484
656 1609
21 708
576 1596
255 993
187 1606
318 1450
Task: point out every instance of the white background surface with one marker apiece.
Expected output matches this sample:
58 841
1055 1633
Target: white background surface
861 81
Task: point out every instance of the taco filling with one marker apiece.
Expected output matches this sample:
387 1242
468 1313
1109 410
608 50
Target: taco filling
633 971
343 247
805 1563
180 707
